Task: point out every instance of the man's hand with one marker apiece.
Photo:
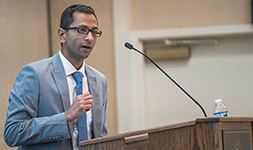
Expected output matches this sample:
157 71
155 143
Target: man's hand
81 103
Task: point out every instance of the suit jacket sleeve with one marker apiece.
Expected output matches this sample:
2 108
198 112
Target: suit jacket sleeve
23 124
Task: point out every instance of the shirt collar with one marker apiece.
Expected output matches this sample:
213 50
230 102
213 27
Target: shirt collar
69 68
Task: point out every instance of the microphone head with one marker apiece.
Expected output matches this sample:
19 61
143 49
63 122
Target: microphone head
128 45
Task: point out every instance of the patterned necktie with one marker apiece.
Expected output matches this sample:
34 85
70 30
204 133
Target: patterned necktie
81 121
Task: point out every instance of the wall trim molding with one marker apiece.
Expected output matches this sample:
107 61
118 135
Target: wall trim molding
193 32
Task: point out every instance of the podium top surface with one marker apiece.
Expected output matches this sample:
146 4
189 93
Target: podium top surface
224 119
168 127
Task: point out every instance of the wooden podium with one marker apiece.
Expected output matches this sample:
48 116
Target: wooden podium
215 133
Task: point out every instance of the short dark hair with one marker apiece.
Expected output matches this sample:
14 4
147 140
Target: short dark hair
67 15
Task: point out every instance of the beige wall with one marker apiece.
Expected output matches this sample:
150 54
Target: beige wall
191 13
146 98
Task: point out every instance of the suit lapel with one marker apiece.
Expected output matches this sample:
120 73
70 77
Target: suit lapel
61 80
62 84
96 109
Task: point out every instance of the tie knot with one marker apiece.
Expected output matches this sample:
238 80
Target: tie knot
78 76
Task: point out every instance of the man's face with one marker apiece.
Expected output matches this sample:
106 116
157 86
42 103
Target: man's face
79 46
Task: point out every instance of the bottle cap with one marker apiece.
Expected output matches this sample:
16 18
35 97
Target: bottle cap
218 100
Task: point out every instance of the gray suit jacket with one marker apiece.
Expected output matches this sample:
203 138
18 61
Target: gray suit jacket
35 116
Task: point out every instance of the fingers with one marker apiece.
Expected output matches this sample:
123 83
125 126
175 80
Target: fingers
85 101
82 103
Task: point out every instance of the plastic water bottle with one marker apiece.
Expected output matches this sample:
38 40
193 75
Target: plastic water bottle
220 110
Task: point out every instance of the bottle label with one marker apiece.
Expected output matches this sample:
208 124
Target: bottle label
221 114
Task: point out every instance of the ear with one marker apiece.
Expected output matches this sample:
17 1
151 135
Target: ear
62 35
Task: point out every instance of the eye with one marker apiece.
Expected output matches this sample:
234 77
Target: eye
83 29
95 31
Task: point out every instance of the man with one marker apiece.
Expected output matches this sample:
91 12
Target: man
45 106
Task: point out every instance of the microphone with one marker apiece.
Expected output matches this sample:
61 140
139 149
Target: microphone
130 46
